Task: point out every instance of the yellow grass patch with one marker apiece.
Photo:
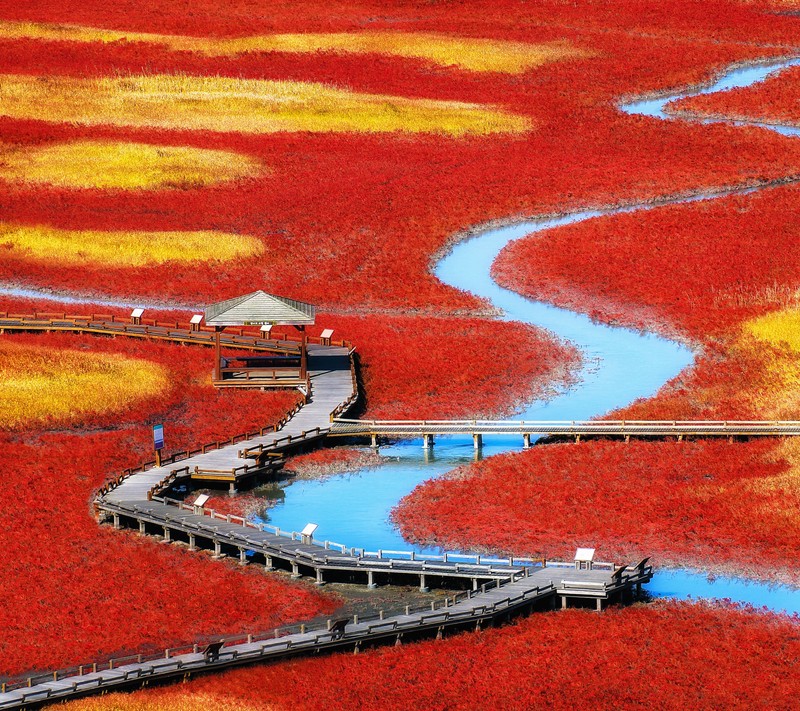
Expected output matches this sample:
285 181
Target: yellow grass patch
781 331
781 328
60 386
123 165
122 248
159 701
240 105
475 55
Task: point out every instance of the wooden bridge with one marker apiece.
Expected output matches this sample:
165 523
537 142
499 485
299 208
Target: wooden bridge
490 589
532 588
576 429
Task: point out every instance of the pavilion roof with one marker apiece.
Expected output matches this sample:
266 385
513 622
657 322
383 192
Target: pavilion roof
258 309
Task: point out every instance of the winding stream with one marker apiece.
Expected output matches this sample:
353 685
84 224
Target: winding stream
620 365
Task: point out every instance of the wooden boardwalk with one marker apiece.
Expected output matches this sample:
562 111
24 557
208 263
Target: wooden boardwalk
491 589
575 429
534 588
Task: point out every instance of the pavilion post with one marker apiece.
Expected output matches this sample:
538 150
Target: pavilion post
217 353
303 352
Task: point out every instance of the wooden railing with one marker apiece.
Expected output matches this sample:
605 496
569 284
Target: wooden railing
375 623
179 456
354 395
233 337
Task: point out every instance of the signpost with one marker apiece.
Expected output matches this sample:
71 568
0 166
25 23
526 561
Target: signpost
158 442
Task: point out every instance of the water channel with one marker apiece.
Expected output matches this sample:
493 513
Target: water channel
620 365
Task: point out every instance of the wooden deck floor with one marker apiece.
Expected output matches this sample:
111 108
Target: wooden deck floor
535 588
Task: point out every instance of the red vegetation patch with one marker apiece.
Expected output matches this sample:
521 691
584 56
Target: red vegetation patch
437 368
700 268
707 504
244 505
776 100
675 655
353 220
73 591
327 462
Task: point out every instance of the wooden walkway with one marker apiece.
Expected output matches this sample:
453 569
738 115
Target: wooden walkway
534 588
491 589
576 429
173 331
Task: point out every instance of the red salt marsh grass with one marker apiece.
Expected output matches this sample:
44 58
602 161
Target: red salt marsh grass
699 269
69 583
354 222
354 219
776 100
709 505
666 655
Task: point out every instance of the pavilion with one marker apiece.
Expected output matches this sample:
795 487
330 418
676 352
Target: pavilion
265 310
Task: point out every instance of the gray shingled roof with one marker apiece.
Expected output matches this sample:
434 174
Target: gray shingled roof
260 308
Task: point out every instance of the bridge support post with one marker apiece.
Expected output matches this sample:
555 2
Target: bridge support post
295 570
217 549
474 583
374 441
232 488
564 603
599 604
427 441
192 546
166 534
526 440
141 527
242 556
477 441
319 581
371 580
115 518
422 586
268 564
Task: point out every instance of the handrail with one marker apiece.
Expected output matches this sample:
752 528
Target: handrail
237 337
572 423
272 638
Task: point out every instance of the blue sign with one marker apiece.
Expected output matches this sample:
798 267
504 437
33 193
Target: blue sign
158 437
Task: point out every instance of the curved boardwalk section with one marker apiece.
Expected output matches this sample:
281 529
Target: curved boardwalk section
491 589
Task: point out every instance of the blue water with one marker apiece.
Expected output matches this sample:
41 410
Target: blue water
732 79
619 365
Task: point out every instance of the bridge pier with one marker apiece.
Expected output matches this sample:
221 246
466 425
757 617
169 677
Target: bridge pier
295 570
477 441
166 534
319 580
374 444
192 546
141 527
427 441
217 549
422 586
242 556
115 519
268 564
371 580
526 440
